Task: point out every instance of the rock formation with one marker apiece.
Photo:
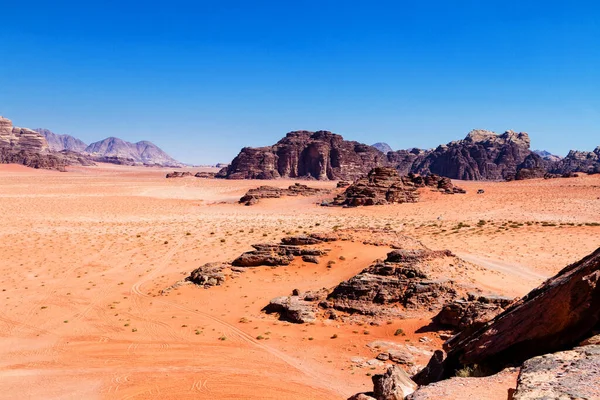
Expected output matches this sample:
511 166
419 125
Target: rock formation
573 374
273 255
482 155
394 286
302 154
27 147
383 185
578 161
116 150
380 186
62 142
557 315
382 147
178 174
472 312
271 192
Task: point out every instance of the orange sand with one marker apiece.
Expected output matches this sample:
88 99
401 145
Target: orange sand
84 255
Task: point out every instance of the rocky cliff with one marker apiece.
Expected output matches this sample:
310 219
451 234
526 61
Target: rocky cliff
578 161
302 154
27 147
62 142
119 151
482 155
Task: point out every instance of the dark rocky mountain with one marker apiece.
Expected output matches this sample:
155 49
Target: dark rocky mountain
302 154
482 155
62 142
26 147
118 151
382 147
578 161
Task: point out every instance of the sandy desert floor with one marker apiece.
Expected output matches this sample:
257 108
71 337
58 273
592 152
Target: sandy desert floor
85 254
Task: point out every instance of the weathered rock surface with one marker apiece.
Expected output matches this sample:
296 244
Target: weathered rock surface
398 281
27 147
302 154
568 375
205 175
298 308
492 387
210 274
578 161
557 315
178 174
114 149
271 192
482 155
62 142
380 186
472 312
394 384
278 254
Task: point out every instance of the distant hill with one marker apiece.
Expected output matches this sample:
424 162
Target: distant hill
62 142
546 155
144 152
382 147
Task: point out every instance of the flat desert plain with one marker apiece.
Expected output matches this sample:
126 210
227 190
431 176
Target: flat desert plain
85 257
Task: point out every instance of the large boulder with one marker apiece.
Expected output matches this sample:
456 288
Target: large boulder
394 384
573 374
557 315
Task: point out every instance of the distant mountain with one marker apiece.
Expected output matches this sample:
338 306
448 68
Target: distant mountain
62 142
382 147
546 155
119 151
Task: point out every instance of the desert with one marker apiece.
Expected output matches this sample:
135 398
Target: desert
87 256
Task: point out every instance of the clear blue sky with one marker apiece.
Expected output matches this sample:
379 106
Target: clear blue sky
204 78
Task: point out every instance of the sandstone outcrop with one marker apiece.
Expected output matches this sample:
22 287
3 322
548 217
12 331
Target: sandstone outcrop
298 308
557 315
271 192
210 274
578 161
472 312
27 147
395 285
380 186
573 374
394 384
273 255
482 155
302 154
205 175
178 174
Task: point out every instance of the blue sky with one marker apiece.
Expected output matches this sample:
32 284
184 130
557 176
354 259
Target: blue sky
202 79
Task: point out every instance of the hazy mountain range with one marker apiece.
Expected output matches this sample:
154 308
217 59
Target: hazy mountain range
111 149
